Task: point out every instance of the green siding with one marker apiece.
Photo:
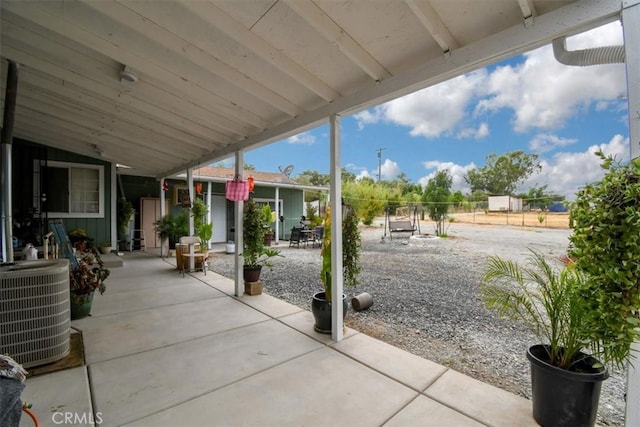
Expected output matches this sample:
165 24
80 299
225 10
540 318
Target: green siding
24 152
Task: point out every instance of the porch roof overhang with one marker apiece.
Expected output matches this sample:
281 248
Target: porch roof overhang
166 86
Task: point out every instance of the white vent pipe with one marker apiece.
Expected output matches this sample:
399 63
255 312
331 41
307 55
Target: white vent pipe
585 57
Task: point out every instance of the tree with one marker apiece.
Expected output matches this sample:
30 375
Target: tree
436 196
502 174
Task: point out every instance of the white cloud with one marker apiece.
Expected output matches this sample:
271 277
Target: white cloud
544 94
363 174
481 132
304 138
565 173
366 117
457 173
437 109
389 170
544 142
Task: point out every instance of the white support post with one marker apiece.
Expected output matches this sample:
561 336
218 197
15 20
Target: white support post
239 213
277 215
209 213
192 259
114 207
631 28
337 322
163 213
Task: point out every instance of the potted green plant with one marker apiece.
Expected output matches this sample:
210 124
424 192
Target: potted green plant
87 276
351 249
255 254
123 218
268 217
171 227
104 247
205 234
565 379
587 311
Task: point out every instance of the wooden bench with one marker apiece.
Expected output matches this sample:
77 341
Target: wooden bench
403 226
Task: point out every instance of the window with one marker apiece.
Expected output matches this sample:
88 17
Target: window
73 190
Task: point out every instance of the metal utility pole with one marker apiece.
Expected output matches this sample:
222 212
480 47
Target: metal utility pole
380 163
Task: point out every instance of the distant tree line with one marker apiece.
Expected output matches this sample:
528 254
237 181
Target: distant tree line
501 175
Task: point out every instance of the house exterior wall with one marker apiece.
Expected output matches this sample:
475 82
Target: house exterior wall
24 154
292 201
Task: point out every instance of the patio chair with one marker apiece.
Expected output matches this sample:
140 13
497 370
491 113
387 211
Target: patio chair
188 250
317 236
296 237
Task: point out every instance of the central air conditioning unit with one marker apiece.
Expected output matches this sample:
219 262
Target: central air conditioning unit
35 321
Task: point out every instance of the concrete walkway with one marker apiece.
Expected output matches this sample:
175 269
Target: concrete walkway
162 350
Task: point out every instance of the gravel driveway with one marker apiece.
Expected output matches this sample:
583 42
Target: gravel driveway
425 299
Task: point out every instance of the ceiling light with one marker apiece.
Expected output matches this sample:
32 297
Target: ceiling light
128 76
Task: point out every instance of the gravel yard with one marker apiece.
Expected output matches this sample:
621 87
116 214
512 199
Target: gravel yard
425 299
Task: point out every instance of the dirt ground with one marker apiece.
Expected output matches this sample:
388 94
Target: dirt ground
521 219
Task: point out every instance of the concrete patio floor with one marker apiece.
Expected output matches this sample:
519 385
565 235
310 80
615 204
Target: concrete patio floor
163 350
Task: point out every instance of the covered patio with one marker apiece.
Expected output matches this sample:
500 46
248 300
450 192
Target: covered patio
167 87
166 351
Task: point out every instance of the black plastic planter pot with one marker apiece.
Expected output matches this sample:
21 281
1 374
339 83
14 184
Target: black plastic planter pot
251 274
321 309
561 397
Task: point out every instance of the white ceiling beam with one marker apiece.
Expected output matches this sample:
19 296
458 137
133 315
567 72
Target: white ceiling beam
72 141
95 87
331 31
226 117
571 19
125 14
97 126
528 9
68 94
44 14
427 15
245 37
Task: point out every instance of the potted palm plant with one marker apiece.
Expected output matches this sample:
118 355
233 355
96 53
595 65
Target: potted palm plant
255 254
587 312
351 248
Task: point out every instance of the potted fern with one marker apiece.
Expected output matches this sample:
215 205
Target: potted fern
588 313
351 248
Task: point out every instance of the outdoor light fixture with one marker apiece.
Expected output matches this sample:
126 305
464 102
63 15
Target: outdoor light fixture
128 76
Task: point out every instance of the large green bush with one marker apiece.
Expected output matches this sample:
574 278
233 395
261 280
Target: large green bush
605 218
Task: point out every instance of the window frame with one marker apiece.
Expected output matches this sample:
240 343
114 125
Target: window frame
101 189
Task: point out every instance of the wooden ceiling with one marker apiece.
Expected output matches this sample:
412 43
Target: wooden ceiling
216 76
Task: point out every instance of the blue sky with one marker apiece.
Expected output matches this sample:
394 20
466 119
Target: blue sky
529 102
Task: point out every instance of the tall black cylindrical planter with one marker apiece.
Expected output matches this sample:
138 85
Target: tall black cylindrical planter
561 397
321 309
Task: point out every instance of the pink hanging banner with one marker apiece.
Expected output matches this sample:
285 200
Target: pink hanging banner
237 190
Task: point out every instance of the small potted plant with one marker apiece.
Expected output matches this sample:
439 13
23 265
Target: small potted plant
123 219
255 254
351 249
171 227
268 218
87 276
105 247
565 379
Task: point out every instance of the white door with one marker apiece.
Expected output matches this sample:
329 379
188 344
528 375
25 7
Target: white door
219 218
